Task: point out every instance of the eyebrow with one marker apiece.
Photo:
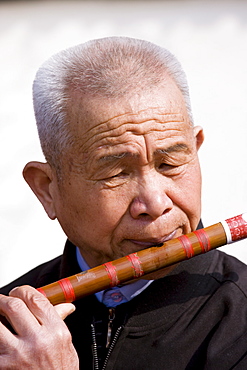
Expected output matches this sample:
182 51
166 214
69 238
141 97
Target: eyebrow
174 148
111 157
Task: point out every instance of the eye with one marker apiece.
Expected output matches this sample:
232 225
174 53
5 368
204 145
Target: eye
118 179
170 169
117 175
166 167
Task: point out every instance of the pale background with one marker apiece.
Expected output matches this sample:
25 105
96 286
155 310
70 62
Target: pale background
210 40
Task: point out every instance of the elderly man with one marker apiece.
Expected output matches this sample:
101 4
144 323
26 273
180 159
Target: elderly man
122 174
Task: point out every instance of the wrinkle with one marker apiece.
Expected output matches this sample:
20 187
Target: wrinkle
108 136
135 122
140 117
115 122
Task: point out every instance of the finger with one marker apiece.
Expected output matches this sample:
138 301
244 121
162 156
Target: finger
64 309
7 339
17 314
38 305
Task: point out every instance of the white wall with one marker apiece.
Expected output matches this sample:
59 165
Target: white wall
208 37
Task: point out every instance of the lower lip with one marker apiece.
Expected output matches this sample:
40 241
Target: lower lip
151 244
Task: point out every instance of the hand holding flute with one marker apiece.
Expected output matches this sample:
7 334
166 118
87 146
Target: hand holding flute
41 339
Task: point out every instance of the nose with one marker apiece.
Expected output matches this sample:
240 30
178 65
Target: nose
151 200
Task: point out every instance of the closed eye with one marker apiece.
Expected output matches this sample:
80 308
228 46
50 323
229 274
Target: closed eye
115 180
169 169
165 166
120 174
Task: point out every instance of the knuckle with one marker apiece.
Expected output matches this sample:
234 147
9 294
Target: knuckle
18 291
36 300
67 336
14 305
63 334
31 297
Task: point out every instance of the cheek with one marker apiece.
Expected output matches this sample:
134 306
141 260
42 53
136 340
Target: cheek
109 206
190 194
98 210
186 191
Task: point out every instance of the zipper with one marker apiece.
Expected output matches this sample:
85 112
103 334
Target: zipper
94 349
113 343
109 344
110 324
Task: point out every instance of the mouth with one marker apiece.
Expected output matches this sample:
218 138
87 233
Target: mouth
153 242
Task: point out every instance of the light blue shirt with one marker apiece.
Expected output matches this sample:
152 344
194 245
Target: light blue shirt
119 294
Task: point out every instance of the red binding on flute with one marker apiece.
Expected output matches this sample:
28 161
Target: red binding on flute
146 261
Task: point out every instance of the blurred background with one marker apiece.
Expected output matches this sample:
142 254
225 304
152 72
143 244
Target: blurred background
210 40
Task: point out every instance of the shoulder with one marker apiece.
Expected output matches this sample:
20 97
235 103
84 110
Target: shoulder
43 274
227 269
48 272
214 278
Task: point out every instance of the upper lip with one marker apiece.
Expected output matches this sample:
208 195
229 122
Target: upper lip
149 242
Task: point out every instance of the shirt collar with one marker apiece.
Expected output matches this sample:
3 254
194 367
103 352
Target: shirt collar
129 291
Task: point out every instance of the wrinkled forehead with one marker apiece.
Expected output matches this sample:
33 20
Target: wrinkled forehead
92 114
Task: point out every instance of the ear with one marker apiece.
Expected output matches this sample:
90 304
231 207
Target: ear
39 177
199 136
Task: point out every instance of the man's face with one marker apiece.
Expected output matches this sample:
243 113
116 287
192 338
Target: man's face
133 178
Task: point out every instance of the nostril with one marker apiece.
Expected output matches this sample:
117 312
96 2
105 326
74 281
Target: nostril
150 205
167 210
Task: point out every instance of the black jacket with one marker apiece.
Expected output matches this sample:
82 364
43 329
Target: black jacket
194 318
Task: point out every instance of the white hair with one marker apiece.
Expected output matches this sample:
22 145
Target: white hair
107 67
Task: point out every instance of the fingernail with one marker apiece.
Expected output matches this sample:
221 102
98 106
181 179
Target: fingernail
72 308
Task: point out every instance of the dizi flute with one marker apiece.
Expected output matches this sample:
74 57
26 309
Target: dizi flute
138 264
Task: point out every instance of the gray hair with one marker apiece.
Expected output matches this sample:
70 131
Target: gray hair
107 67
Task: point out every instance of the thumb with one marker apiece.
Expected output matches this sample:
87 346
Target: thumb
64 309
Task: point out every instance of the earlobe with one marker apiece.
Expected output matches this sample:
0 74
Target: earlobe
39 177
199 136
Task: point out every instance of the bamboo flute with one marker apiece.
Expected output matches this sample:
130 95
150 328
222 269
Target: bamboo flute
138 264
